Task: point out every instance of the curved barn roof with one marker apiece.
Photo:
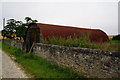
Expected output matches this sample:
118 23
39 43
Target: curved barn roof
49 30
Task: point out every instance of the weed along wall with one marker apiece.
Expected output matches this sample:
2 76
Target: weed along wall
89 62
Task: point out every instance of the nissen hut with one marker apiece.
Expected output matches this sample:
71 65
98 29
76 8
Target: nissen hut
37 32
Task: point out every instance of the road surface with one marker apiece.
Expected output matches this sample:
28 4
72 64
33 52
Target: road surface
9 68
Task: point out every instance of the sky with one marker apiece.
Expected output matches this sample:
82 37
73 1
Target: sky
95 14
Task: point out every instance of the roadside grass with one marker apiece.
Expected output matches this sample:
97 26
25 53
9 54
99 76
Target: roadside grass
84 42
38 66
0 44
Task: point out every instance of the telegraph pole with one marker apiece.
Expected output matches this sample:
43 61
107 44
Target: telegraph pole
3 23
3 27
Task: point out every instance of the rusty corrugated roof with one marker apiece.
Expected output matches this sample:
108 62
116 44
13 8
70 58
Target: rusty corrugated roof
49 30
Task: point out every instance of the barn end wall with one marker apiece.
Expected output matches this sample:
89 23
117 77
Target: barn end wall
89 62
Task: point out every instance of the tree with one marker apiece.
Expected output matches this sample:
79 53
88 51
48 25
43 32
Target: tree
30 20
116 37
17 28
4 33
21 31
11 24
9 29
22 27
18 23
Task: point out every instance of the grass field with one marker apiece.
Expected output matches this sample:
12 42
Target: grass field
38 66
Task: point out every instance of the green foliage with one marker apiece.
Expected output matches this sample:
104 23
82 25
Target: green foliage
4 33
21 30
9 29
30 20
82 42
17 28
38 66
116 37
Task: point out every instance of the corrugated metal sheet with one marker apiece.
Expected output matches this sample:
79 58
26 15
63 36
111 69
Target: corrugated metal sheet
49 30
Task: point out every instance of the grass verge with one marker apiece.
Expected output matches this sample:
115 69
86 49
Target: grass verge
38 66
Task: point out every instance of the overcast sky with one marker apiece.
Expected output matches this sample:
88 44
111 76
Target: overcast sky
95 14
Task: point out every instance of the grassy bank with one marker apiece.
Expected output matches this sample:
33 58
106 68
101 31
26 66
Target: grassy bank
84 42
38 66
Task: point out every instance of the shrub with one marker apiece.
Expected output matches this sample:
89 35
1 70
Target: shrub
116 37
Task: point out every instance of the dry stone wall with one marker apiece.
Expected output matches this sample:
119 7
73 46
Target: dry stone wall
16 43
89 62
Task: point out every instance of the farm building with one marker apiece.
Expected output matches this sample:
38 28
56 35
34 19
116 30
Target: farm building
37 32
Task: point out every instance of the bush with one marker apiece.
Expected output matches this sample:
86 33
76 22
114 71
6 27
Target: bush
116 37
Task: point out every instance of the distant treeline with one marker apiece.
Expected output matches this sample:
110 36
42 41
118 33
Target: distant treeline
116 37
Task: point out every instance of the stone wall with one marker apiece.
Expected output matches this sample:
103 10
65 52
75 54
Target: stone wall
16 43
89 62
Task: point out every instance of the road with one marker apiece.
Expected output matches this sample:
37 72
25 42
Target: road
9 69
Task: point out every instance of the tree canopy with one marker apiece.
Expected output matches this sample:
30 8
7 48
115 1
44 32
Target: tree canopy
9 29
29 20
16 28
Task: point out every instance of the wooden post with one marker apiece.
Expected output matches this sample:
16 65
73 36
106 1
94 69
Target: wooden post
31 48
